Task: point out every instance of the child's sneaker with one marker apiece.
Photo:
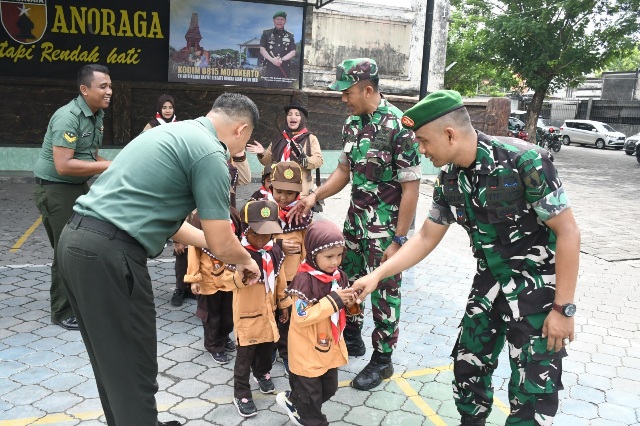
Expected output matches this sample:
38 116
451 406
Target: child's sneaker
245 406
283 400
286 367
230 345
265 383
220 357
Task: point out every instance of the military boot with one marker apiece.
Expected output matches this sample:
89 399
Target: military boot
467 420
378 369
354 342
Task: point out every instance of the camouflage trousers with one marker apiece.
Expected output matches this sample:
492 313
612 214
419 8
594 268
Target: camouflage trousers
535 372
362 257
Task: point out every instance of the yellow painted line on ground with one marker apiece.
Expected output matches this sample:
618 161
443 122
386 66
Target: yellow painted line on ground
24 237
501 405
421 403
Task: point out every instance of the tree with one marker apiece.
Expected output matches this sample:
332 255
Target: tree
551 44
623 62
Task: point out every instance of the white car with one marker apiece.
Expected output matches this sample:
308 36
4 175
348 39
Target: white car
588 132
630 144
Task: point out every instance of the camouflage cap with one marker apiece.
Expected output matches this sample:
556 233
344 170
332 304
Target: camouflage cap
262 216
287 176
430 108
280 13
351 71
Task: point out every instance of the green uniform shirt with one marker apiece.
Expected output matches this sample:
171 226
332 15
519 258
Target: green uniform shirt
72 126
158 179
502 201
381 155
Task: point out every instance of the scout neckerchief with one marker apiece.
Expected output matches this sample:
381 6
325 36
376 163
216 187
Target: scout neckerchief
266 194
267 263
338 319
282 212
162 120
286 152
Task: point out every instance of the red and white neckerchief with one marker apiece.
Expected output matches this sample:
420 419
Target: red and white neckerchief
267 263
286 152
160 118
266 194
282 212
338 319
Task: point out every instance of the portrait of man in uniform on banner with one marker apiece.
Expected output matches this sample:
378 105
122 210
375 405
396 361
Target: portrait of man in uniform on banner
235 42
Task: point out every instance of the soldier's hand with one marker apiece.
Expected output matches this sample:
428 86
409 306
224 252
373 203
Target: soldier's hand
390 251
301 209
365 286
556 329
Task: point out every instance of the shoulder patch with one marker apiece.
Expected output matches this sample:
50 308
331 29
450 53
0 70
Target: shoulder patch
70 137
301 308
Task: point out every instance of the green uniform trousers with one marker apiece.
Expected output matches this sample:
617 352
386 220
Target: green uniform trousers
55 203
110 292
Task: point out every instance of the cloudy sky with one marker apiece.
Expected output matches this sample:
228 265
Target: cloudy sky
224 24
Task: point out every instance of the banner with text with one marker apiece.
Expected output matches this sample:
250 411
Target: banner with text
54 38
235 42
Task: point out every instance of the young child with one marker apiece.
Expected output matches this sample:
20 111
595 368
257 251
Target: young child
316 347
264 193
254 305
214 306
286 185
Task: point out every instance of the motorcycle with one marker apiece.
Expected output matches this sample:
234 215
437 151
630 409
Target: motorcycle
519 133
549 139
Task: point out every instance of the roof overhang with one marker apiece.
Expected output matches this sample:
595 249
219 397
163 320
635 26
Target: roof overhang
316 3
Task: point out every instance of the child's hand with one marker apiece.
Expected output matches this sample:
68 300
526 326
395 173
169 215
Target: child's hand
284 315
348 296
195 288
178 248
289 247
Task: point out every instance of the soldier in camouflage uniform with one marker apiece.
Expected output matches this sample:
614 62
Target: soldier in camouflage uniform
278 47
508 197
383 161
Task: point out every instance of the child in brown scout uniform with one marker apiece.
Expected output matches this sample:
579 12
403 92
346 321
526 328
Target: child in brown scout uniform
254 305
214 306
316 346
286 185
264 193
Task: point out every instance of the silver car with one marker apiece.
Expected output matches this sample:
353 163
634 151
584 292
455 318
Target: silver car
630 144
588 132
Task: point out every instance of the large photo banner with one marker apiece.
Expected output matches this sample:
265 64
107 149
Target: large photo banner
235 42
54 38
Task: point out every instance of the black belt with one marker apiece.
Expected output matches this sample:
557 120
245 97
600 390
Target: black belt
102 227
40 181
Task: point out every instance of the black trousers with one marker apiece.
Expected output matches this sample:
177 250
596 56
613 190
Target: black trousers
181 269
216 312
109 289
248 358
309 393
283 330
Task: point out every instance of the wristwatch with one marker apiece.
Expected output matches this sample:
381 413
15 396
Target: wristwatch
400 240
568 310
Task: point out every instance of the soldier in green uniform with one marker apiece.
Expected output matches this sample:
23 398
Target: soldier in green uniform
510 200
127 216
381 159
69 157
278 47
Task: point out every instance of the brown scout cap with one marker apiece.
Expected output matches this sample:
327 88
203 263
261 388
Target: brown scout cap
287 176
261 216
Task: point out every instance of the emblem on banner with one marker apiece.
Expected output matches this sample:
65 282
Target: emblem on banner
25 21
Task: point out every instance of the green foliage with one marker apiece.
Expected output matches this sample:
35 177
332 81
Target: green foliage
626 61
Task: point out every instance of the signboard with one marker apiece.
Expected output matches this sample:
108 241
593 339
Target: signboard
235 42
54 38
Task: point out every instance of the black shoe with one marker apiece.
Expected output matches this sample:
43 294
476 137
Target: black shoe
220 357
169 423
230 345
189 295
70 323
354 342
245 406
177 298
472 421
378 369
265 383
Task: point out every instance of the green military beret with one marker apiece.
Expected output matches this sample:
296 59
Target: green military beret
280 13
431 107
351 71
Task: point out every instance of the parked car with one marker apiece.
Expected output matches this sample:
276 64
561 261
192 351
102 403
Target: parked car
515 124
638 153
588 132
630 144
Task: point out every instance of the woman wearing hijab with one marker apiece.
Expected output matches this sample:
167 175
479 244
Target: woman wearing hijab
294 143
165 112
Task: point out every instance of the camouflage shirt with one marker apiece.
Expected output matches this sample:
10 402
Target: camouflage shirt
381 154
502 202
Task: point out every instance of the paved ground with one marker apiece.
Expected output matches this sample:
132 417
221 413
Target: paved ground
45 376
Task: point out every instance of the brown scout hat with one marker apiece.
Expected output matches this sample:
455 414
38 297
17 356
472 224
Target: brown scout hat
261 216
287 176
